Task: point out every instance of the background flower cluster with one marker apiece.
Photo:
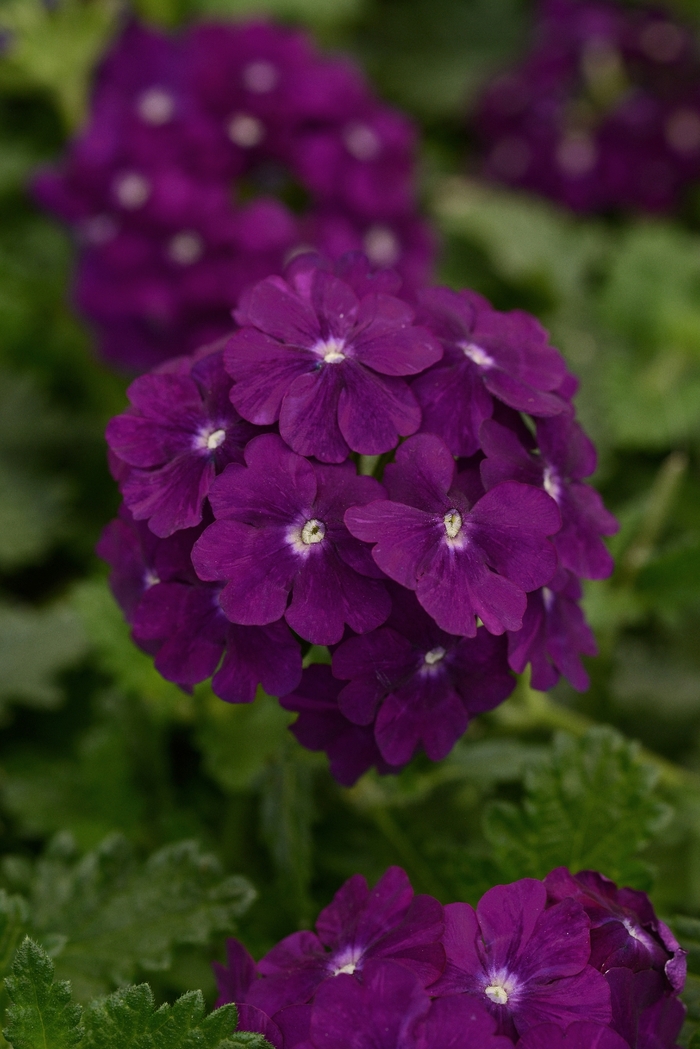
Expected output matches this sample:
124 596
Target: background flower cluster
211 157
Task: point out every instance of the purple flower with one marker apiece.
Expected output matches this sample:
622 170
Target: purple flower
579 1035
418 685
487 355
526 964
327 363
280 535
407 244
165 250
604 112
178 619
364 164
564 456
179 433
382 1011
356 928
553 636
625 931
462 560
351 749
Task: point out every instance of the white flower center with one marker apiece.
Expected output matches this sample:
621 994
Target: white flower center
331 350
245 131
349 969
216 439
186 248
434 656
453 523
633 930
361 141
381 246
547 597
260 77
150 578
156 106
497 993
313 532
132 190
99 229
475 353
551 482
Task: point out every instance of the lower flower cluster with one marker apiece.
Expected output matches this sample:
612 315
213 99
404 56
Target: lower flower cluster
571 962
403 484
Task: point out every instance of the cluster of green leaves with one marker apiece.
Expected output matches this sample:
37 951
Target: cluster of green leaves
109 774
42 1015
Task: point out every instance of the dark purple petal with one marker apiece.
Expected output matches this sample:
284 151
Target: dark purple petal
454 403
267 655
234 978
309 415
579 1035
373 410
263 371
381 1012
454 1023
510 524
172 497
584 996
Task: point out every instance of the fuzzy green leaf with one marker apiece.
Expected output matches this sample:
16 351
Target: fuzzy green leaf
34 645
42 1015
107 915
591 804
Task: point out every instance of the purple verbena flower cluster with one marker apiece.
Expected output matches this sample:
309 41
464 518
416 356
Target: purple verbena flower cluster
251 523
180 188
569 963
604 111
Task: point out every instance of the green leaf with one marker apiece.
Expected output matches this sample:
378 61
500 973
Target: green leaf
591 804
56 47
42 1015
107 915
132 669
129 1018
34 646
239 741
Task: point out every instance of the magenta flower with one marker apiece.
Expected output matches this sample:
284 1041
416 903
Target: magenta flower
462 560
565 455
351 748
418 685
179 433
553 636
178 619
579 1035
526 964
327 363
279 534
356 928
487 355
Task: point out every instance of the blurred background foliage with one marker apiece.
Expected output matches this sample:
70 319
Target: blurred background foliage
102 759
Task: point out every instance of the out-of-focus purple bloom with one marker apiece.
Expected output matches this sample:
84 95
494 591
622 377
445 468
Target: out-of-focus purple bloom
604 112
625 931
166 248
553 636
180 432
328 364
178 619
351 748
279 534
462 560
526 964
564 456
579 1035
358 926
487 355
418 685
